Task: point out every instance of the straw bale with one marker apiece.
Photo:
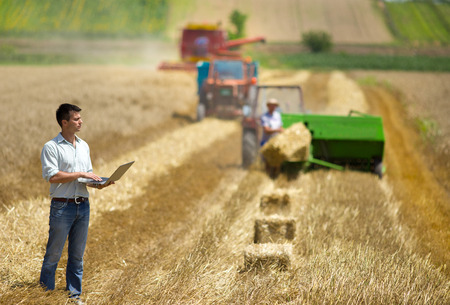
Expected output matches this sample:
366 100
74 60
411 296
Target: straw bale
290 145
275 203
274 229
262 256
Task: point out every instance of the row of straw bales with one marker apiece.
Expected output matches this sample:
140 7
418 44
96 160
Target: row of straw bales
274 233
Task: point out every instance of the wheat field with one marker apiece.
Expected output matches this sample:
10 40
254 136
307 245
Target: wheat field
175 229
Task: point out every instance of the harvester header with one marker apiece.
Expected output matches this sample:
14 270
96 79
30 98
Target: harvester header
238 42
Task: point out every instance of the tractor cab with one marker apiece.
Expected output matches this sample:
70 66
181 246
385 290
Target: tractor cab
224 85
228 69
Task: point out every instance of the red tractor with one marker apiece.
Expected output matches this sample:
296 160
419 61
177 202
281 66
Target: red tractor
200 42
224 86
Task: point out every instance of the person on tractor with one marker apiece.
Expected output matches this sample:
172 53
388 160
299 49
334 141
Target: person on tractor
272 125
271 121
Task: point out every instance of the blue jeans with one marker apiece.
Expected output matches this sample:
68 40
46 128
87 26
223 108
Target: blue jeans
71 220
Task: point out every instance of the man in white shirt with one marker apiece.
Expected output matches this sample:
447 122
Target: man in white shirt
65 159
271 121
271 125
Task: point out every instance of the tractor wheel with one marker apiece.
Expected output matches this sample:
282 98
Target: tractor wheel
200 112
249 148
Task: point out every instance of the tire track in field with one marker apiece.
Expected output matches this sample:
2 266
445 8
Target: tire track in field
424 202
163 216
156 159
315 93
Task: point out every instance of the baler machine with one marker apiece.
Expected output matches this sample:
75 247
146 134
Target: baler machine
355 141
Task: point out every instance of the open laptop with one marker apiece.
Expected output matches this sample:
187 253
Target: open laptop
114 177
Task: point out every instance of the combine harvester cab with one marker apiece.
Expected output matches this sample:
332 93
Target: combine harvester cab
355 141
200 42
224 86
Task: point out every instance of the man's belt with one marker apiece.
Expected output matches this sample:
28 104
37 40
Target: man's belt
72 200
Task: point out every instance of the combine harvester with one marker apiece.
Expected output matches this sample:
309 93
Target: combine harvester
354 142
200 42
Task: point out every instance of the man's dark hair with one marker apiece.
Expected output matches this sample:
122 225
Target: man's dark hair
63 112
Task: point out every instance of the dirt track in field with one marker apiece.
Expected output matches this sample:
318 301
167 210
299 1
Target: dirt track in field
425 200
188 185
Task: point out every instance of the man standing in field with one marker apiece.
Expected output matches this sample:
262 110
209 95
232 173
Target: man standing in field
65 159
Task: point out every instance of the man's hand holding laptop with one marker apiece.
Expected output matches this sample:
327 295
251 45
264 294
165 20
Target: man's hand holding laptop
102 182
96 178
101 186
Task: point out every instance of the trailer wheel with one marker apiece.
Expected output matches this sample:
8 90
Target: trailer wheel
249 148
378 169
200 112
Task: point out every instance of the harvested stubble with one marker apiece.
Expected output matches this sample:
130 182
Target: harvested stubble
290 145
275 203
274 229
267 256
344 95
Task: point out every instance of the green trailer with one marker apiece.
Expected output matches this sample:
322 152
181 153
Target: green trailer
355 141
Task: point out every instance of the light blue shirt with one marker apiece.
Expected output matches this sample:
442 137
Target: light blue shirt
60 155
273 121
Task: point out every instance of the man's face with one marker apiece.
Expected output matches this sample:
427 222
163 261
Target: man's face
74 123
271 107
